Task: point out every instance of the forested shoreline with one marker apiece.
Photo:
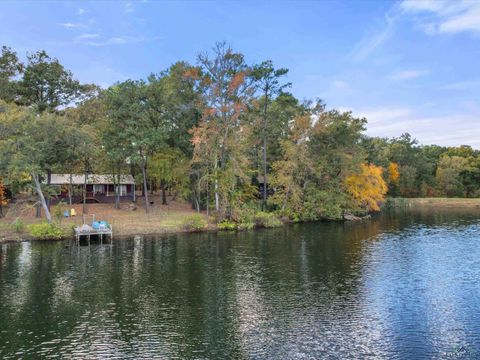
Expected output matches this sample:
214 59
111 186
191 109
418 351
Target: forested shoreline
213 133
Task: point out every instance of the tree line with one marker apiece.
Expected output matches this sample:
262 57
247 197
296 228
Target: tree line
223 134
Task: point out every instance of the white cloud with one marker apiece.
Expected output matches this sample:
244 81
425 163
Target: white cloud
128 7
373 40
407 74
122 40
462 85
453 129
81 11
340 84
88 36
69 25
442 16
384 114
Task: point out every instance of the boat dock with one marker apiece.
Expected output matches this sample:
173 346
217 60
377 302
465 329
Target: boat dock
88 231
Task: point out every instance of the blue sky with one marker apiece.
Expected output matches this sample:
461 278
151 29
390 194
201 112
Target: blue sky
408 66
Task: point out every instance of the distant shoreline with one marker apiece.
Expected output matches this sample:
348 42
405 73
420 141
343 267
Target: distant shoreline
470 203
162 224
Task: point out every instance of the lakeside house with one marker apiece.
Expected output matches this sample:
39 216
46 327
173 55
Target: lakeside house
99 187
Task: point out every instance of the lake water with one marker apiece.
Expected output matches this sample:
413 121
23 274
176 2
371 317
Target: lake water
400 286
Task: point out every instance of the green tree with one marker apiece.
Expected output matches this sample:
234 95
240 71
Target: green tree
10 68
226 91
267 80
31 144
47 85
135 124
449 176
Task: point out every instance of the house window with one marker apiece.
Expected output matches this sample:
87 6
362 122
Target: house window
122 190
99 189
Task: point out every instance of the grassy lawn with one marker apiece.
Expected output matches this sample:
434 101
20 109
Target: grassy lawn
125 222
440 202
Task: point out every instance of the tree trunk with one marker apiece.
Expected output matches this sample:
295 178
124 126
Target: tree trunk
164 194
264 192
197 203
49 181
144 173
84 207
70 190
208 198
116 184
264 152
38 187
217 202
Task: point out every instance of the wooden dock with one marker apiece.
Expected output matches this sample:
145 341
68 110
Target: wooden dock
88 231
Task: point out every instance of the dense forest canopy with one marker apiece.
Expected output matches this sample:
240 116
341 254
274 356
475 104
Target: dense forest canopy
223 134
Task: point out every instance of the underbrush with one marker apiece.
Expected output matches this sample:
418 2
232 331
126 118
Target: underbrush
267 220
195 222
249 220
46 231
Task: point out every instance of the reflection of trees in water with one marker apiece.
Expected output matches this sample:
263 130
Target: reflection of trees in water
252 294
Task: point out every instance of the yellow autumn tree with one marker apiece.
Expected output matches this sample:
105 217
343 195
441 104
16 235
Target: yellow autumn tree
393 173
367 187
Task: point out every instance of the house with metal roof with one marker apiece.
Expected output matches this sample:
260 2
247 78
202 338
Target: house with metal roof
99 187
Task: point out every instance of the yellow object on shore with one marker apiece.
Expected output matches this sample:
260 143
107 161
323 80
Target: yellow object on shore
73 212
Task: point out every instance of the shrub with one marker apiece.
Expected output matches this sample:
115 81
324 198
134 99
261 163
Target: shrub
194 222
227 225
58 210
246 226
46 231
18 226
267 220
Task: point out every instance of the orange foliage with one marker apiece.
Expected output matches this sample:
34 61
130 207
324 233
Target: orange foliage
393 173
236 82
3 197
367 187
191 74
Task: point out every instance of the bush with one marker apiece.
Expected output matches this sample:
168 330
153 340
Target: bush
195 222
46 231
18 226
246 226
267 220
227 225
58 210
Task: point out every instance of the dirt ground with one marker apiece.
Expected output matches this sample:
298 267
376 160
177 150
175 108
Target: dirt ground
125 221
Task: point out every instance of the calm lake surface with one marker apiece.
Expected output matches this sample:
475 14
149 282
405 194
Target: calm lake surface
400 286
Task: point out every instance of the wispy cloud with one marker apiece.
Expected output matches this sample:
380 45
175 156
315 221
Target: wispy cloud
458 128
88 36
384 115
70 26
122 40
373 39
462 85
445 16
340 84
81 11
407 74
128 7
